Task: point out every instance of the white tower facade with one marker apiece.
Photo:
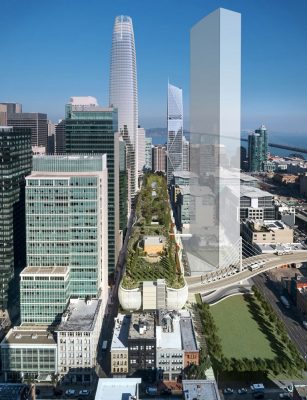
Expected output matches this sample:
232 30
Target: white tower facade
123 83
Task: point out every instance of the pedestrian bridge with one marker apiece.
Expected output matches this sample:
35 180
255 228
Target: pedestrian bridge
225 277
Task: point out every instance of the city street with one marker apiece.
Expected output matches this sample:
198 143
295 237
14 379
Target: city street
292 322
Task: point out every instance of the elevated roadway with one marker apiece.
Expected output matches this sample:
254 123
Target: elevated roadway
216 280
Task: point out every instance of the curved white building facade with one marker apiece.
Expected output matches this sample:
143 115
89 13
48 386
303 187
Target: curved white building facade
123 81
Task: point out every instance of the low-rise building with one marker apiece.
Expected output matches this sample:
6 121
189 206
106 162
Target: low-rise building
200 389
77 340
301 300
119 345
256 204
170 354
256 232
189 343
29 352
118 389
154 244
142 342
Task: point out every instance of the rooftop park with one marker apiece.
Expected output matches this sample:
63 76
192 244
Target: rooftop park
152 250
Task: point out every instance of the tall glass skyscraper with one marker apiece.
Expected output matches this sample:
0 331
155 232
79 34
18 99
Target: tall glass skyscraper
123 84
258 150
93 129
174 130
16 160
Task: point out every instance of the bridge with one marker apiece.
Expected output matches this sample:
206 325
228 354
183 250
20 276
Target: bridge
215 280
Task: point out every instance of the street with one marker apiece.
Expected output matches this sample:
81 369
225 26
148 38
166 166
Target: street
290 318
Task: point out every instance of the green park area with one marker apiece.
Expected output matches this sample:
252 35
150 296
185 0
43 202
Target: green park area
153 226
239 331
244 335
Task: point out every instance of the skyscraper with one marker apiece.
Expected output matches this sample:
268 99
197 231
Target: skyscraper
59 142
37 122
67 235
185 154
123 85
159 158
16 156
148 153
174 130
141 149
215 114
258 150
92 129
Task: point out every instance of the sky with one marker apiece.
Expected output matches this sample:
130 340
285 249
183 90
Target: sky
54 49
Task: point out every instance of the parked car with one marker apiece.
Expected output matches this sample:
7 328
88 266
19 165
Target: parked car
70 392
84 392
242 391
228 391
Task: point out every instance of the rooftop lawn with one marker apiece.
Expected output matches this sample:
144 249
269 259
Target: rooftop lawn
240 333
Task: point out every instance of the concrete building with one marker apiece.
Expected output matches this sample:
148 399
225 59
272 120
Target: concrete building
303 184
67 228
92 129
215 118
159 158
119 346
37 122
256 204
148 153
118 389
141 149
16 156
185 154
77 340
29 352
200 389
6 109
170 354
189 343
142 342
270 232
248 180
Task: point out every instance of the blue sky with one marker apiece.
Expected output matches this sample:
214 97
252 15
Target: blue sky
54 49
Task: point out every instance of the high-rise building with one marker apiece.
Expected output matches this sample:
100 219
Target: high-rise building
215 115
37 122
59 142
123 85
174 130
93 129
148 153
123 185
258 150
6 109
159 158
141 149
51 137
16 162
67 235
185 154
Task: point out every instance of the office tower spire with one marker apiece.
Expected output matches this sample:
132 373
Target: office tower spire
123 84
174 130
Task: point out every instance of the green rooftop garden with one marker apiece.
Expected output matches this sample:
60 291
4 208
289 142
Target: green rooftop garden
153 218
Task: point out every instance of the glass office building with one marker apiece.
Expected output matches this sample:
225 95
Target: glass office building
123 85
258 150
92 129
174 130
67 229
16 160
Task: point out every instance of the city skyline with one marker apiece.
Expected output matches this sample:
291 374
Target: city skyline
273 67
